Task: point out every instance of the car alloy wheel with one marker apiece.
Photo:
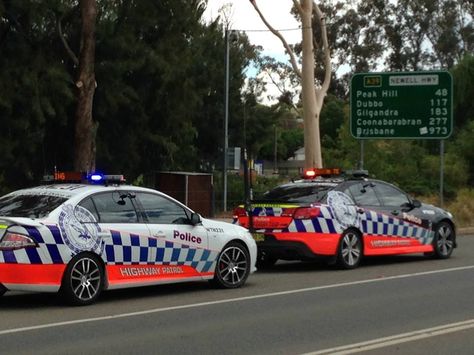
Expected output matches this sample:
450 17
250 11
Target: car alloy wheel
83 280
233 266
444 240
350 250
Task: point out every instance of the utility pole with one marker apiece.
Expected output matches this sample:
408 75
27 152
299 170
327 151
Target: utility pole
226 120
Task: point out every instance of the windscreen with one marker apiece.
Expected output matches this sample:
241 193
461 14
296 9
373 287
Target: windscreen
300 193
30 206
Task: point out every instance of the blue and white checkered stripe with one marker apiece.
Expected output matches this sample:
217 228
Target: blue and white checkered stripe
121 249
371 223
52 249
267 211
324 223
374 223
131 249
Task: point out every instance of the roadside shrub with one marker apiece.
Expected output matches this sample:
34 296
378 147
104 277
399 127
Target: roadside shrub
462 208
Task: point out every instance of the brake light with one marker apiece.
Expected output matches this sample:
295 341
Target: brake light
306 213
12 241
239 212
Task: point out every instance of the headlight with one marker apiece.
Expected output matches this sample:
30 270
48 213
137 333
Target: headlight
12 241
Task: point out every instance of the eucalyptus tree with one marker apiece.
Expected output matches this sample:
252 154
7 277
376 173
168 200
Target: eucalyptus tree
313 92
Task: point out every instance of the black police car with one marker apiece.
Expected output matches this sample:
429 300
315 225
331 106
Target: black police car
345 217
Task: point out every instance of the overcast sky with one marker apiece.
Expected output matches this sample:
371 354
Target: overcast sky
244 17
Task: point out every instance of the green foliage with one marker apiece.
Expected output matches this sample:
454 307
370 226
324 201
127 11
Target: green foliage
463 77
160 88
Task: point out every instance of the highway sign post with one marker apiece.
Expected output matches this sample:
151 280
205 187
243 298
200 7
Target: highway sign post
411 105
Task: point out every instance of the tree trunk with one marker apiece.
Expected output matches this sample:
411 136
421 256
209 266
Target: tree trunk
85 127
311 108
313 98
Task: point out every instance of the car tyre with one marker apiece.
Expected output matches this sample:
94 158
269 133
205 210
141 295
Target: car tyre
83 280
3 289
444 240
265 261
233 266
349 253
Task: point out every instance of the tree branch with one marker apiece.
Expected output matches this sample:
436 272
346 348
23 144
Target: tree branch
298 6
327 51
282 39
282 91
66 45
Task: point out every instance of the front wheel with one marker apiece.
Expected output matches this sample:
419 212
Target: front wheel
83 280
233 266
444 240
350 250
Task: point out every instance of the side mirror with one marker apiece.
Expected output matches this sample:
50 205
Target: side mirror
195 218
416 203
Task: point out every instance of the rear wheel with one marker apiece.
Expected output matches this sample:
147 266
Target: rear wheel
443 242
265 261
350 250
233 266
83 280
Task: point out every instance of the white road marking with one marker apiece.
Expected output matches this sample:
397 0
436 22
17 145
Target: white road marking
230 300
397 339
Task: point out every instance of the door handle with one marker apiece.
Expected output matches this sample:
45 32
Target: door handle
104 234
159 234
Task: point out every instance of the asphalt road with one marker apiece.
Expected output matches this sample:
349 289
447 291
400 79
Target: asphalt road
395 305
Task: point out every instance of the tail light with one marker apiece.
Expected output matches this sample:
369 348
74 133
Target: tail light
306 213
12 241
239 212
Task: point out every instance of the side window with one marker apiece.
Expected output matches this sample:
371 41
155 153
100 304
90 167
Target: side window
160 210
363 194
390 195
115 207
89 205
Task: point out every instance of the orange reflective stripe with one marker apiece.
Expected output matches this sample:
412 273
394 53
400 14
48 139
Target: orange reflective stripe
118 274
32 274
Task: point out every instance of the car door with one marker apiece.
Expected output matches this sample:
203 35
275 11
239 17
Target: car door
123 231
412 222
179 242
368 206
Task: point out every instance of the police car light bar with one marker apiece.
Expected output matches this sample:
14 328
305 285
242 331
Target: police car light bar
77 177
312 173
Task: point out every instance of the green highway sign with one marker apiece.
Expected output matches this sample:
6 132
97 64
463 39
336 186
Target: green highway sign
402 105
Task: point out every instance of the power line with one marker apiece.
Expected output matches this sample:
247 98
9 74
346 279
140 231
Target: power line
267 30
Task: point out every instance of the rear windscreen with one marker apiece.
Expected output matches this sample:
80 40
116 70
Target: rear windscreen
302 193
30 206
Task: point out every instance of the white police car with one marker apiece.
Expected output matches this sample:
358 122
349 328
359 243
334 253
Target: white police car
80 239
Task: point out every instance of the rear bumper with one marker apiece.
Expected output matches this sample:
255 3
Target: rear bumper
299 246
31 277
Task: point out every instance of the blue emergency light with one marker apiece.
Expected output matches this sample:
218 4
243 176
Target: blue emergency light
96 178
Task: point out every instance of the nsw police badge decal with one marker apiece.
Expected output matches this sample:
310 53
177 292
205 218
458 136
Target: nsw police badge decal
79 229
343 208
